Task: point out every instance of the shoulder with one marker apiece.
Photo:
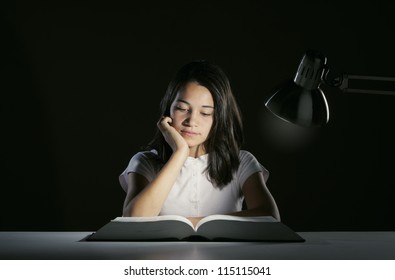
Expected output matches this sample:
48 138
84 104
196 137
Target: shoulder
145 161
151 155
246 156
249 164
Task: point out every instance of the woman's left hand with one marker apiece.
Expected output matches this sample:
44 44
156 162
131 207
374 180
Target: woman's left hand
194 220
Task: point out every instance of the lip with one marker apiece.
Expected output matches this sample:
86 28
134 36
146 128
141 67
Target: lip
188 133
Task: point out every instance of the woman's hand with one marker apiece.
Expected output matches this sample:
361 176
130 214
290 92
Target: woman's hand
151 195
172 137
194 220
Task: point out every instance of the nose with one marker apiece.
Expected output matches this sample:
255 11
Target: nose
192 119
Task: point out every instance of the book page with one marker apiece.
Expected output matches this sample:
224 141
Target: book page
201 222
235 218
154 219
215 227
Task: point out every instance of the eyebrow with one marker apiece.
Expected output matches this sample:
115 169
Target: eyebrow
186 102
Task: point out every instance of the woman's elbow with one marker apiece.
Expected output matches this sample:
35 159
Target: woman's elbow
136 210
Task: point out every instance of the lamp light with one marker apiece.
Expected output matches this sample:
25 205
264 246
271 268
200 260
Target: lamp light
301 101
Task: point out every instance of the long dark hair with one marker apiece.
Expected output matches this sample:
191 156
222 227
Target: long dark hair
226 136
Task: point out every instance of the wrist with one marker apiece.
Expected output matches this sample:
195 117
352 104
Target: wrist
181 154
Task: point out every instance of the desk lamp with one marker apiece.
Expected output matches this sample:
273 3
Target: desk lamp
301 101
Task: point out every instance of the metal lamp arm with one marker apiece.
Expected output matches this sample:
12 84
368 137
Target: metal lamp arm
361 84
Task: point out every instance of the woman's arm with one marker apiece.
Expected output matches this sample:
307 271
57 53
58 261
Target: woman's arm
259 200
146 199
136 183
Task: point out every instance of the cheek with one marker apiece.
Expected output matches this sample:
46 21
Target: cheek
209 125
173 115
176 119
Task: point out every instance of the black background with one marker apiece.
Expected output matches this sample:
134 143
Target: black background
81 84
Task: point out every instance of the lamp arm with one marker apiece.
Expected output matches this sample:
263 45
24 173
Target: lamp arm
361 84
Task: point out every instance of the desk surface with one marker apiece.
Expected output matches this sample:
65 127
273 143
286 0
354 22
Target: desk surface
318 246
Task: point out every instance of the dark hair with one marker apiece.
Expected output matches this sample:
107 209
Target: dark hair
226 136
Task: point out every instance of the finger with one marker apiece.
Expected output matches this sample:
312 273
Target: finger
167 120
164 122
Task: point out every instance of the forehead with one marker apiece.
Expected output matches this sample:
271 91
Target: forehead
195 94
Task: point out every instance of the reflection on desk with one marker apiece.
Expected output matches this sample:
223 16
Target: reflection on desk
318 246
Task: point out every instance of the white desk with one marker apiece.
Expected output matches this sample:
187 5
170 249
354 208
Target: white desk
318 246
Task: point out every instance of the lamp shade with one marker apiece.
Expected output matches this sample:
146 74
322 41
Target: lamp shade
301 101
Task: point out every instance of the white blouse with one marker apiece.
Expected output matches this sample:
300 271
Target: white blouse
193 195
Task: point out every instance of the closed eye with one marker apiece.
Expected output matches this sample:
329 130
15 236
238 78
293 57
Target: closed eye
181 109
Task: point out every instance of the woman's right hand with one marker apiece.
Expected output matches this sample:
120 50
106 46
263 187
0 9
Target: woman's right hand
171 135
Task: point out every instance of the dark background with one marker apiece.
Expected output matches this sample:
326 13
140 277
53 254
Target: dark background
80 88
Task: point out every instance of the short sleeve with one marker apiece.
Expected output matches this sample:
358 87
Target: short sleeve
144 163
248 166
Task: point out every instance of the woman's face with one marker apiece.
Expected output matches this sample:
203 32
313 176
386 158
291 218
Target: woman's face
192 112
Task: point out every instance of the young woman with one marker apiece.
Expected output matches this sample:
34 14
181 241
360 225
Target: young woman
194 166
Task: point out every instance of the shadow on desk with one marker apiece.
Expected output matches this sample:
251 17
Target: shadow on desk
318 246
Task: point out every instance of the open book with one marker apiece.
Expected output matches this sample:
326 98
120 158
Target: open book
214 227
